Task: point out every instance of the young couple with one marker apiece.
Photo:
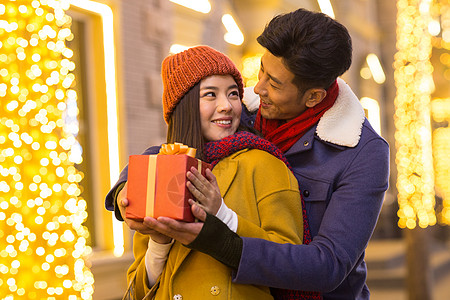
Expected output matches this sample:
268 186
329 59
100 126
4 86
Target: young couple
252 230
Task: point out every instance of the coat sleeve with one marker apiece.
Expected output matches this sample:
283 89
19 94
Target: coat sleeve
278 201
110 201
345 230
282 224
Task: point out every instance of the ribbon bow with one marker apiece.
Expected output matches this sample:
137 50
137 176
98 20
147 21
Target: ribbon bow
177 148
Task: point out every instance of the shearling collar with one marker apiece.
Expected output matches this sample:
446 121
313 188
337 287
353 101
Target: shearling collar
340 125
250 99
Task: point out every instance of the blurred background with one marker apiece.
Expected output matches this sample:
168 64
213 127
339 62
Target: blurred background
80 91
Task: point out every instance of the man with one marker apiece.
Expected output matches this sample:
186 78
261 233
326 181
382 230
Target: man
341 164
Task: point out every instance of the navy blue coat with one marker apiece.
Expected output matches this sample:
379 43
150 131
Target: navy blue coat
342 166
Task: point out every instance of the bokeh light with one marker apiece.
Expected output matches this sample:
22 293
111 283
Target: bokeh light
42 237
414 83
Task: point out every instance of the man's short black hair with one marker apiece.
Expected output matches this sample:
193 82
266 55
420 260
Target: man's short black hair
313 46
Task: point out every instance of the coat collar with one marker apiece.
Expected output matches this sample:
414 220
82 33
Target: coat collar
340 125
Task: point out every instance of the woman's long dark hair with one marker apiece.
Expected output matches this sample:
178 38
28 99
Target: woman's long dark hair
185 124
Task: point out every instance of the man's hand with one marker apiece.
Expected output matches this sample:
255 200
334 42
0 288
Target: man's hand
205 190
140 227
183 232
122 200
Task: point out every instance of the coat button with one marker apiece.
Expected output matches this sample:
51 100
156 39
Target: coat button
305 143
306 193
215 290
177 297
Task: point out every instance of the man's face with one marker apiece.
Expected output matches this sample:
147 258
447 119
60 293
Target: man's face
280 97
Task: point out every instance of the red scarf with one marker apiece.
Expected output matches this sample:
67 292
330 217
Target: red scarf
216 150
285 134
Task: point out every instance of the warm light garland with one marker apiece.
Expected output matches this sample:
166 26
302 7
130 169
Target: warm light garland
414 82
441 152
42 239
440 109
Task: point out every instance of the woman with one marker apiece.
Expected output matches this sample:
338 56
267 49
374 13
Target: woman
202 106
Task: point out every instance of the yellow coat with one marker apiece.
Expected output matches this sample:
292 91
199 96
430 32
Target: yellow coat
264 193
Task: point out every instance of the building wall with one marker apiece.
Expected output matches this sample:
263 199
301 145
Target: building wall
146 31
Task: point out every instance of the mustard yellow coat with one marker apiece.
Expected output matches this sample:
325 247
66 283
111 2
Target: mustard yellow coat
264 193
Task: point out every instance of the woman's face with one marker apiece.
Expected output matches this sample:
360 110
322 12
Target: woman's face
220 107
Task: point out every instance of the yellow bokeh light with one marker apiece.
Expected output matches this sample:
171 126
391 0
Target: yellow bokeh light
37 202
413 77
250 69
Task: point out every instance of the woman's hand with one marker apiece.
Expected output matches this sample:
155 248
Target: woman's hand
155 235
183 232
205 190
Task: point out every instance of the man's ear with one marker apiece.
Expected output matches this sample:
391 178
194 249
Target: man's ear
315 96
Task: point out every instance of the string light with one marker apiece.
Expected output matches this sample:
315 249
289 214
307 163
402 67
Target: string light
441 144
42 239
234 34
413 78
440 109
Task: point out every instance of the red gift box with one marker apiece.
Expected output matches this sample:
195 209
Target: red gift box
157 186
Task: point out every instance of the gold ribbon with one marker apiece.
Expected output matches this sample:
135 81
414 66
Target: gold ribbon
166 149
151 186
177 148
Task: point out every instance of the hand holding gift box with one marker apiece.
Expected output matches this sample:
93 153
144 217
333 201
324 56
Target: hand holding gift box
157 183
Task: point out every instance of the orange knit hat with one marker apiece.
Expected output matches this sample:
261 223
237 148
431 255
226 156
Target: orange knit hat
181 71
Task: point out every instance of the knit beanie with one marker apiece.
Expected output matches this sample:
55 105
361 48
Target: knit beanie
181 71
